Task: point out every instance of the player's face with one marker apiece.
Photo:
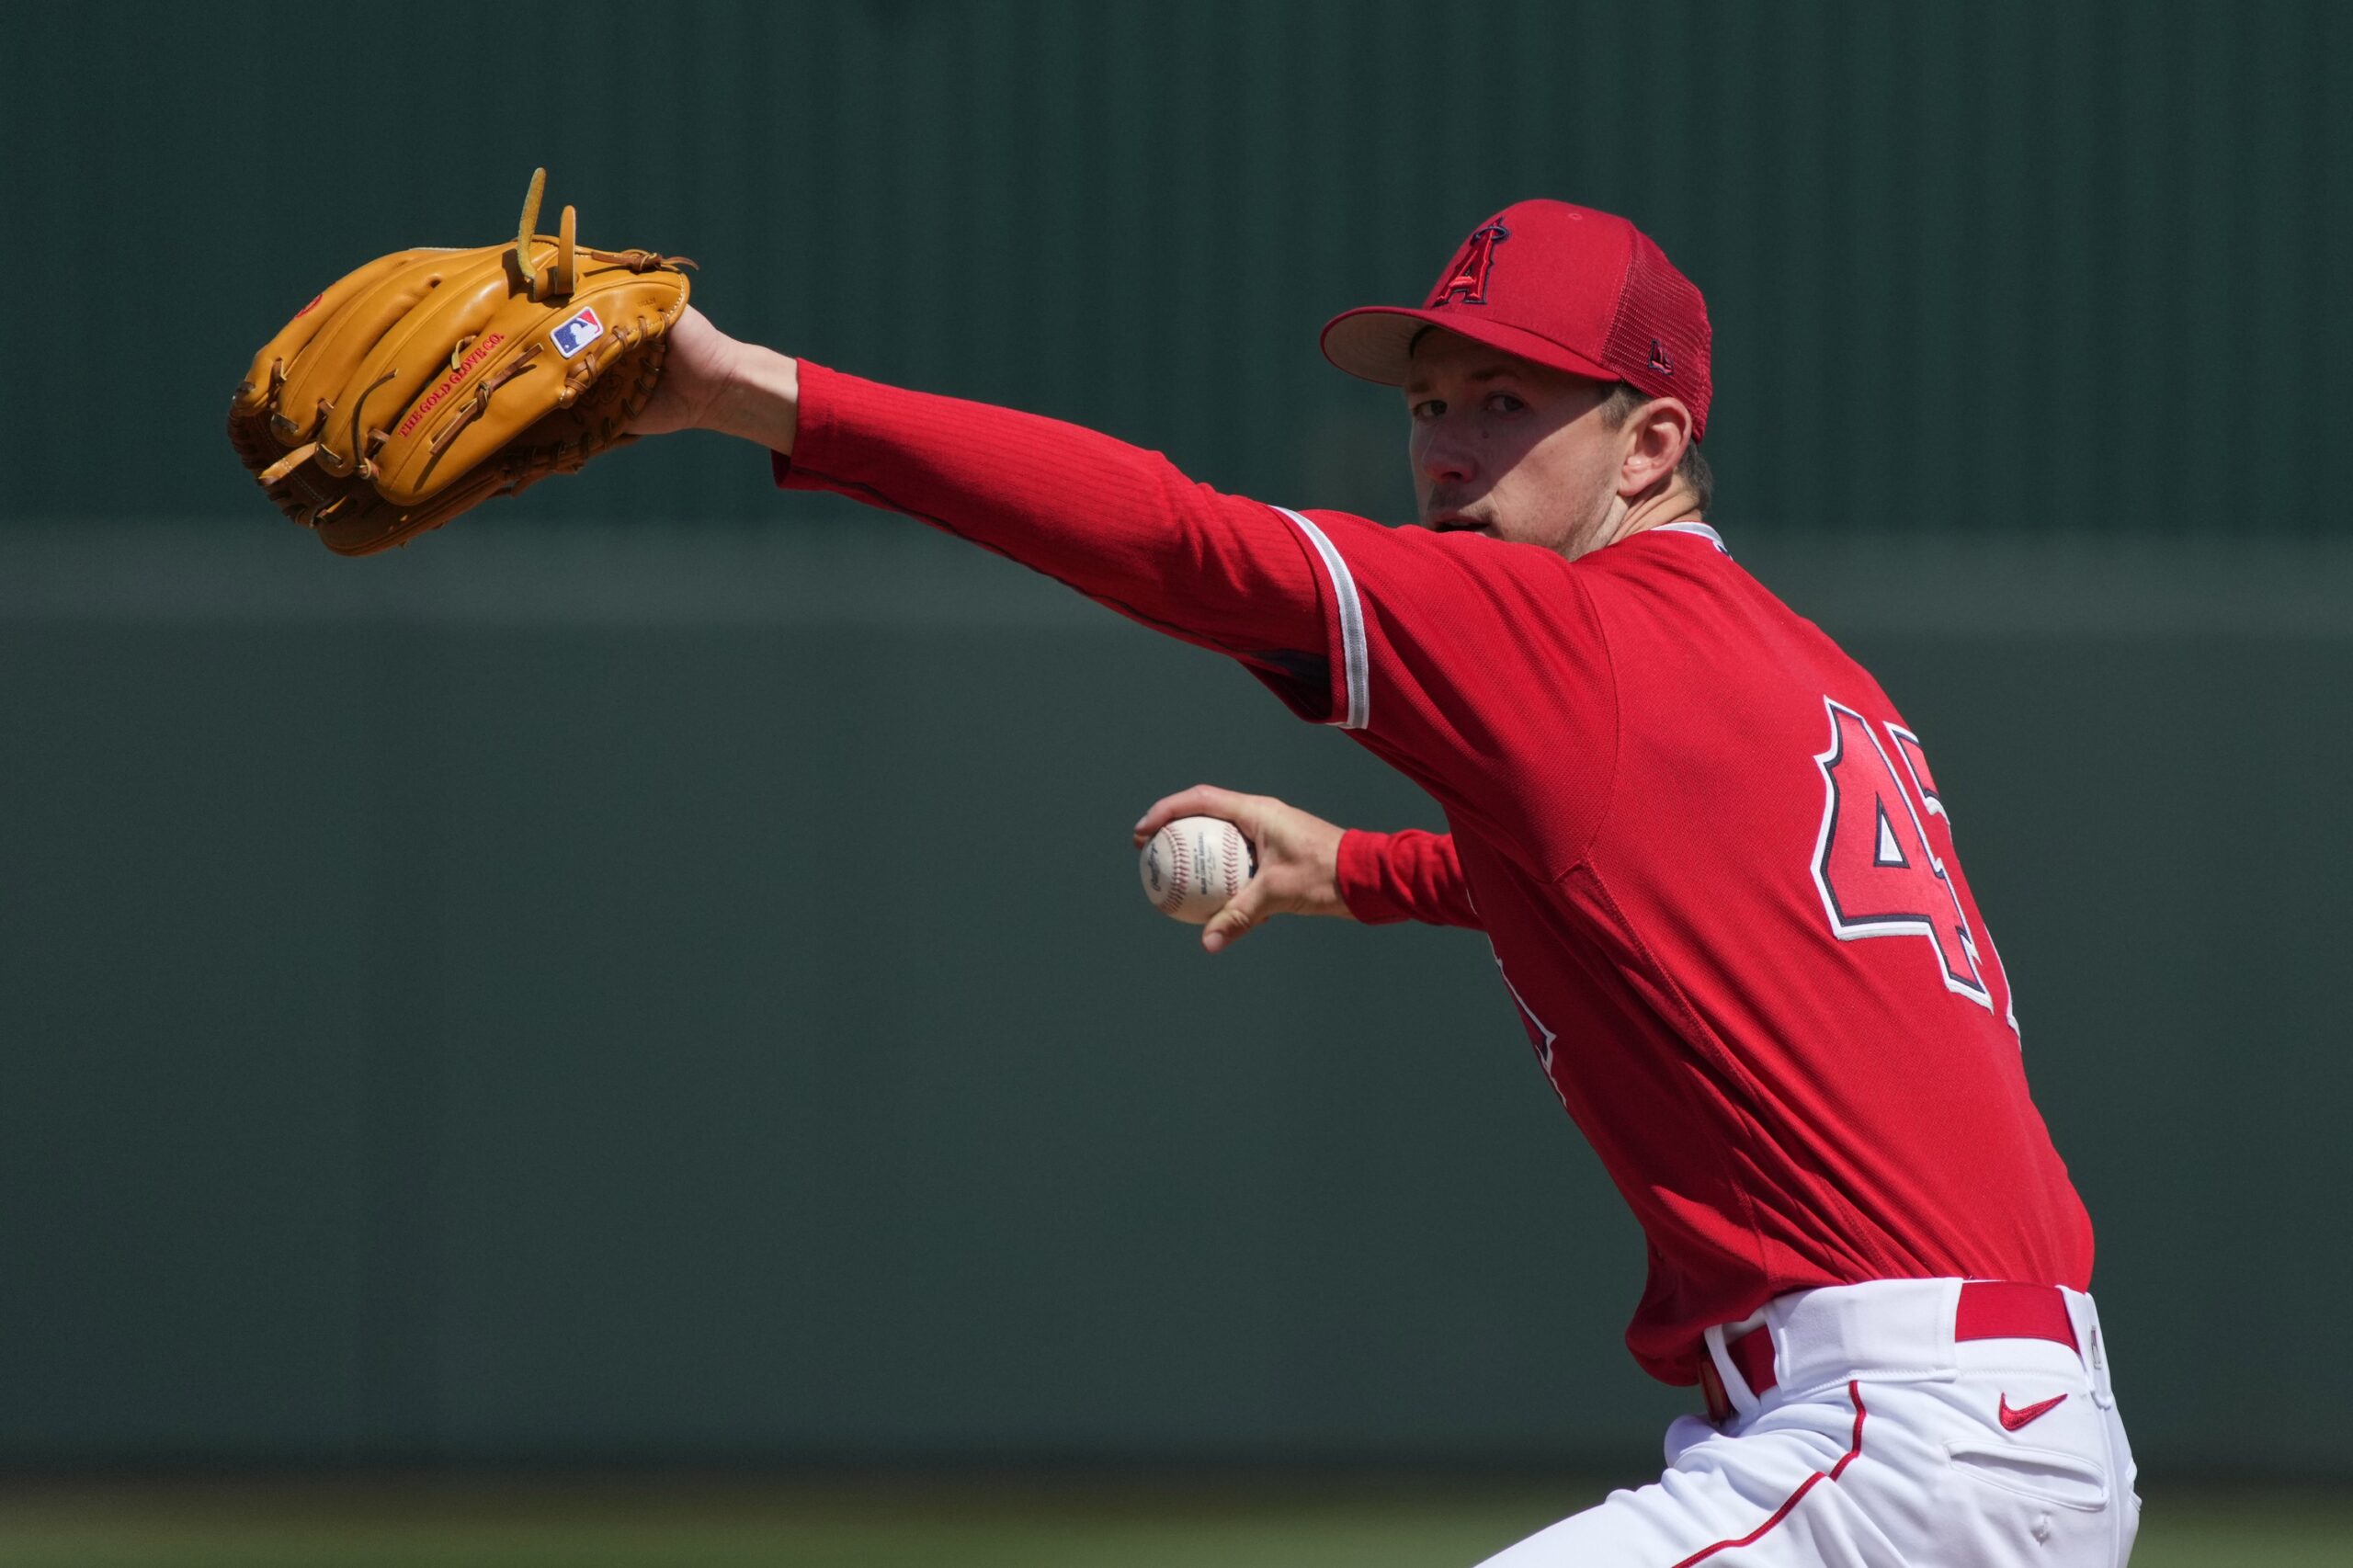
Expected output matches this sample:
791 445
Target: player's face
1508 449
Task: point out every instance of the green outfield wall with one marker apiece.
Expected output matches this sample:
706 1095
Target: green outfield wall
651 975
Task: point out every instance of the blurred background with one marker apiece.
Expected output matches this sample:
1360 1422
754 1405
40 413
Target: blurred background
625 1032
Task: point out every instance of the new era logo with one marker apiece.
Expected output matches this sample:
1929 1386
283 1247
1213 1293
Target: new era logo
1661 360
577 332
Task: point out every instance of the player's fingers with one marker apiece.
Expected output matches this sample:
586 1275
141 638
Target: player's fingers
1200 801
1239 917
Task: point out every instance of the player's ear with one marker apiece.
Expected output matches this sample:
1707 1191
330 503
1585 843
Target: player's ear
1656 438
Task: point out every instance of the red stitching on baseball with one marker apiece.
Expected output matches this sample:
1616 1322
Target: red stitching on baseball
1178 872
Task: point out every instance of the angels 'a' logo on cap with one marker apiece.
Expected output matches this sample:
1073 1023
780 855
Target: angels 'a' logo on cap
1467 279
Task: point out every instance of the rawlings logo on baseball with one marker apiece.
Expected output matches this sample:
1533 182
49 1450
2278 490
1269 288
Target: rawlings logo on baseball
1192 868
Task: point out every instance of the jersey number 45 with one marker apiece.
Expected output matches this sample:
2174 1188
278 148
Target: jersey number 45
1878 873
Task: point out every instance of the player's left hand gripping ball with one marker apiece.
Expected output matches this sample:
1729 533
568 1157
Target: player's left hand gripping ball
431 379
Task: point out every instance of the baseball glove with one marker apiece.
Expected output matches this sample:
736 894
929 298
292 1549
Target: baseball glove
431 379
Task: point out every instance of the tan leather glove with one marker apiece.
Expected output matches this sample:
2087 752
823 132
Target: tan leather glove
431 379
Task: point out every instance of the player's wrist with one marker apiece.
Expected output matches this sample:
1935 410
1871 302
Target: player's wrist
1323 848
757 397
1356 885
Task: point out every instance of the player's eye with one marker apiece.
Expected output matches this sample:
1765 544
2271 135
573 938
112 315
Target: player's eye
1428 408
1504 403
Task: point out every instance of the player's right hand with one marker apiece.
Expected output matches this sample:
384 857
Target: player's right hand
1297 854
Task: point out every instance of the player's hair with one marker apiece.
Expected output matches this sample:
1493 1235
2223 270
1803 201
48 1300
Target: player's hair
1624 400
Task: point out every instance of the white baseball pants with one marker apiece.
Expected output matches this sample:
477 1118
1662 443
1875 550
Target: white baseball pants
1882 1441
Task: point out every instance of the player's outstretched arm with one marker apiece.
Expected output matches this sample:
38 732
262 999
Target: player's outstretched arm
1298 855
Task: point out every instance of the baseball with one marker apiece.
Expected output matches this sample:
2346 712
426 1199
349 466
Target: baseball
1193 866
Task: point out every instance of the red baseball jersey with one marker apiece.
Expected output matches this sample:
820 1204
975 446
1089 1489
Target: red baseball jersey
1711 856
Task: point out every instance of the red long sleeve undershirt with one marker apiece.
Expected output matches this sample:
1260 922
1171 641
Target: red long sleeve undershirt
1408 875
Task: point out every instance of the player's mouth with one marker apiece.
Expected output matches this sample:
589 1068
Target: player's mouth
1459 522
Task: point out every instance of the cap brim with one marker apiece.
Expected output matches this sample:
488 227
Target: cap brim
1376 342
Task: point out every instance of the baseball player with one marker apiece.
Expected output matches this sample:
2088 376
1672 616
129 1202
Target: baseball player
1712 858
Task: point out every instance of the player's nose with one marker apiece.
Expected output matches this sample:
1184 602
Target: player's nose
1443 459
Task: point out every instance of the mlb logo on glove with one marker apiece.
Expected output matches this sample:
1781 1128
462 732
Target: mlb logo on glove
577 333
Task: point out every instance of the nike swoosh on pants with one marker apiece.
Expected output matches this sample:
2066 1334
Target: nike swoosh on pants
2014 1419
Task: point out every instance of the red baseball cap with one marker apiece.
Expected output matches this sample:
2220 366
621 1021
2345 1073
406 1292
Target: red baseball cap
1563 286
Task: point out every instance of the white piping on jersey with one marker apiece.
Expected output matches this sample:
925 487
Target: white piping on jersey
1702 529
1358 669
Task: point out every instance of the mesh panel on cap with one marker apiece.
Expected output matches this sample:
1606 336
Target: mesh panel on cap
1660 314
